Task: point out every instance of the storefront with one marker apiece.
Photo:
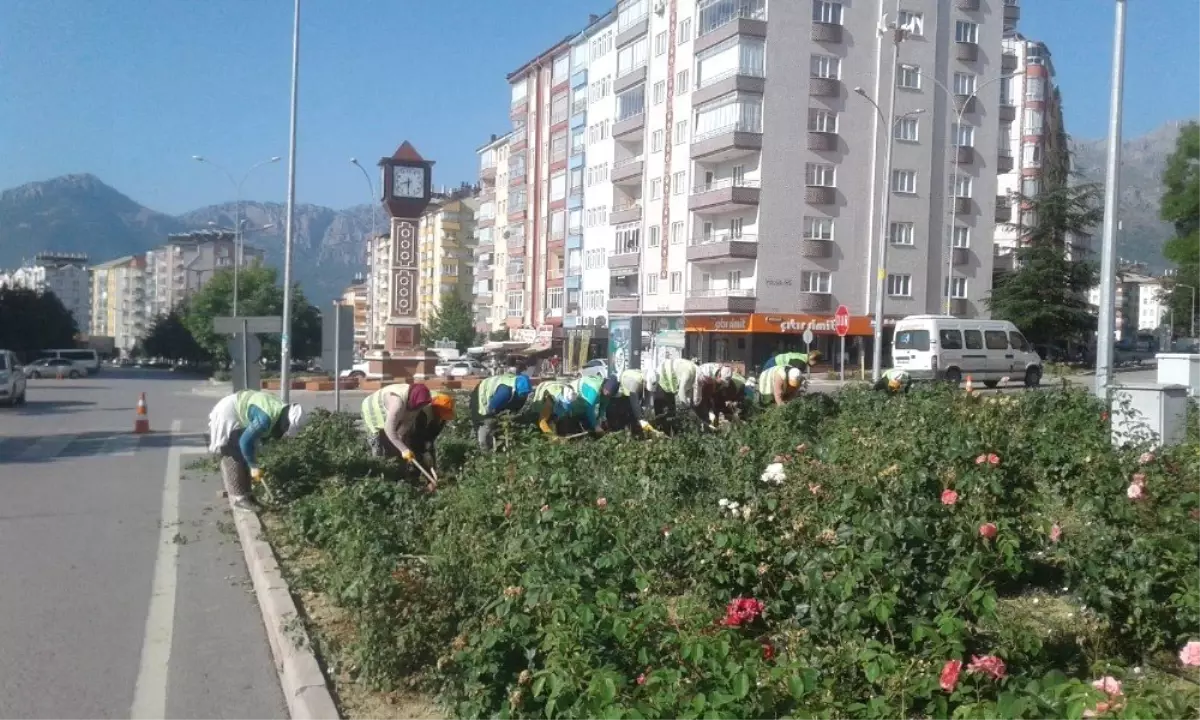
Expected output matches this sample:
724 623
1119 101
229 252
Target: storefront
748 340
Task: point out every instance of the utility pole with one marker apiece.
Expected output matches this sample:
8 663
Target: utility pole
1112 179
285 344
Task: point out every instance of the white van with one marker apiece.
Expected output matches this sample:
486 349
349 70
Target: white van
84 359
942 347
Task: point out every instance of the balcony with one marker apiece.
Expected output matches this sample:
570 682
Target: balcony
518 141
631 29
487 173
623 304
579 106
745 79
1008 111
729 300
816 248
1012 11
1003 209
722 247
720 196
815 301
966 51
625 259
960 255
515 246
822 141
1003 262
519 108
631 112
516 177
959 307
625 212
963 206
824 87
629 77
820 195
966 103
964 155
1004 160
726 143
721 20
628 170
967 5
826 32
518 215
1008 63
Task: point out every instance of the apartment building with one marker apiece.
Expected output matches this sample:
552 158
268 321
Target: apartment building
119 302
491 254
357 296
62 273
1141 301
446 241
187 261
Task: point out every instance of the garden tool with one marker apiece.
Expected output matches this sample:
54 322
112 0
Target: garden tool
257 475
576 435
424 472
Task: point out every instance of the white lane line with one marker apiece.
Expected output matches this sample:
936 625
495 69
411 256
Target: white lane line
150 692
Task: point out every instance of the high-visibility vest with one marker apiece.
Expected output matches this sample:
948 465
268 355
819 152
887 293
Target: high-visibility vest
550 389
786 358
668 375
489 385
766 381
374 406
587 389
268 403
739 382
633 382
894 374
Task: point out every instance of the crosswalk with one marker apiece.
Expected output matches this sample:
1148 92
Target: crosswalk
18 450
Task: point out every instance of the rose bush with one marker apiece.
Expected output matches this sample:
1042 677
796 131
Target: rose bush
841 556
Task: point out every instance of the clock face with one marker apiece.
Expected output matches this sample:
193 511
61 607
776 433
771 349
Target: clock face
408 182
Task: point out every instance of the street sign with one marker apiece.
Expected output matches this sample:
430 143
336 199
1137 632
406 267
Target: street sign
257 324
842 320
807 336
337 344
246 372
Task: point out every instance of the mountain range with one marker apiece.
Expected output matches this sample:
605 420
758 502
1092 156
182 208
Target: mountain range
79 213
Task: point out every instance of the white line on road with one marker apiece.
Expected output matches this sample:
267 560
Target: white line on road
150 692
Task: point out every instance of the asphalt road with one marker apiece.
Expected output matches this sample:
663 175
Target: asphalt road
125 593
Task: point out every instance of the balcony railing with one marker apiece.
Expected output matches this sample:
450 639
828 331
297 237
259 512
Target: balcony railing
743 126
515 276
723 238
725 183
718 13
558 155
622 72
579 106
555 274
558 235
575 191
745 71
627 246
559 116
721 292
627 161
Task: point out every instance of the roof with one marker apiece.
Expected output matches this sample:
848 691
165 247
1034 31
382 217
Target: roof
113 263
553 49
500 140
597 25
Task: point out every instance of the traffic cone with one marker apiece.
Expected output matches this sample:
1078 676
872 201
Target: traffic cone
141 422
970 385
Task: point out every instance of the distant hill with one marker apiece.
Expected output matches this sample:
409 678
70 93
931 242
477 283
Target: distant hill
79 213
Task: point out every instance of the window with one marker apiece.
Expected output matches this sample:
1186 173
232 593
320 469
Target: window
1018 341
651 284
631 57
825 66
961 237
630 13
901 233
827 12
575 221
820 175
656 141
738 173
676 283
964 84
899 286
950 339
962 189
1035 88
685 30
681 132
601 45
735 228
660 91
995 339
822 120
554 299
656 188
628 239
818 228
681 82
742 113
735 56
516 303
562 68
677 233
578 141
679 182
1031 186
1033 122
652 236
906 129
912 339
631 103
814 281
964 135
973 339
558 186
660 43
913 22
966 32
909 76
904 181
1031 155
957 287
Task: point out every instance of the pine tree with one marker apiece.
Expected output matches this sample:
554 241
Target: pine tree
453 319
1181 208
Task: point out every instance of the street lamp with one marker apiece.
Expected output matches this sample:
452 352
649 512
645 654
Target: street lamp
370 255
884 208
285 340
237 214
1191 307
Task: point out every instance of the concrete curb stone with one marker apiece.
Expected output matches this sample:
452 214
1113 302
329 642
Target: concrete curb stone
304 686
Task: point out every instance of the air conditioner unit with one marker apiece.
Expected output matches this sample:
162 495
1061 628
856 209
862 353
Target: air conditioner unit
660 7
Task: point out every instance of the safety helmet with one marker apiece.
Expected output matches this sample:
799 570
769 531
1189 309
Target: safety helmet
894 384
443 406
725 374
793 377
418 396
522 385
296 420
610 387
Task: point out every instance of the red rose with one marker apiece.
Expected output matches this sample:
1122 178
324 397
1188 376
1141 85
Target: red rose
988 530
949 678
949 497
768 651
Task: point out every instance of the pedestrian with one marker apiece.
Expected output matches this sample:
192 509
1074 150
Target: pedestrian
493 397
779 384
631 405
592 396
553 400
672 385
793 359
894 381
236 424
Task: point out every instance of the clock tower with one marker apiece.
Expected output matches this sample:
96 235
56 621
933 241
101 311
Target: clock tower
407 187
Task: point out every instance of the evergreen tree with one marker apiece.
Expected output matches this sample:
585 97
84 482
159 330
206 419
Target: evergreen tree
1181 207
453 319
170 338
33 321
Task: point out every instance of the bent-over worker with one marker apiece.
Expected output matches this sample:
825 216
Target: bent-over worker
237 423
493 397
894 381
711 380
592 395
794 359
672 384
428 426
390 415
779 384
553 401
630 407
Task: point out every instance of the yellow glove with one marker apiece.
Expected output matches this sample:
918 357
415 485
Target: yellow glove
408 455
256 475
545 426
647 427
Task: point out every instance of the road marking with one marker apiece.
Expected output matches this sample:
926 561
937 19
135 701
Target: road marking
150 692
46 448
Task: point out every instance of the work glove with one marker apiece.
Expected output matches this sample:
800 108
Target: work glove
545 427
648 428
712 418
256 475
408 456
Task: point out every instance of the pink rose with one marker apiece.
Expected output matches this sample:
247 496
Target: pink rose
988 530
949 497
981 459
507 509
641 679
545 508
1146 458
949 677
814 488
1055 532
743 450
801 448
602 503
993 459
1139 478
1134 492
1108 685
987 665
1190 654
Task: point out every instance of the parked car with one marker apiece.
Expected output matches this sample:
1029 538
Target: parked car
52 367
936 347
12 379
87 361
466 368
597 368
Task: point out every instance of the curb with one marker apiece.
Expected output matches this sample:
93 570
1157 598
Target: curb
304 687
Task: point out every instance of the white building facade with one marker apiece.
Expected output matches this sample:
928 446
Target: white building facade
63 274
590 236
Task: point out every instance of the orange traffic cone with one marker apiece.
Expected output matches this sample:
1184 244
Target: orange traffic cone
970 385
141 422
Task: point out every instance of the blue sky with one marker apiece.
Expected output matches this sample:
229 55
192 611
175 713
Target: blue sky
130 89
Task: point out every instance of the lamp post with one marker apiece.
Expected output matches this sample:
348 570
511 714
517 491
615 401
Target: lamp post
370 256
237 214
1112 180
1191 308
285 344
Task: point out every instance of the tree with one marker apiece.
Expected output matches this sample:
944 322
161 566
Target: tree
32 321
453 319
170 338
1046 294
258 294
1181 207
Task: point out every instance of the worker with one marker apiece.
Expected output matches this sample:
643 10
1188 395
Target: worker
236 425
736 397
553 401
779 384
711 379
629 408
894 381
672 384
794 359
592 396
493 397
391 413
428 426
